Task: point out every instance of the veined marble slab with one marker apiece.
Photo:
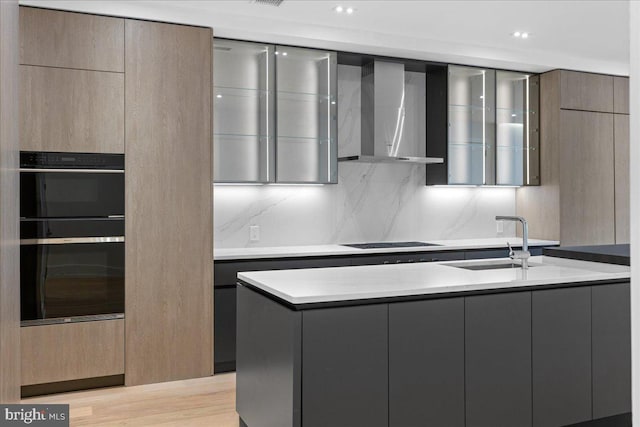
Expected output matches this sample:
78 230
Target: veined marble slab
224 254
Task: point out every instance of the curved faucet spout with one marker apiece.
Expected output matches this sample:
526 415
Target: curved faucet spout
524 253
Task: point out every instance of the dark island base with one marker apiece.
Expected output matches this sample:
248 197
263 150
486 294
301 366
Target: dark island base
436 362
622 420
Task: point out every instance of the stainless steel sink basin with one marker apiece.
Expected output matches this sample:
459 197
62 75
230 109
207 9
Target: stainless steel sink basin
489 265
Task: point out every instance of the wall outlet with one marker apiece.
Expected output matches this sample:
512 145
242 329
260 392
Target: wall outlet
254 233
499 227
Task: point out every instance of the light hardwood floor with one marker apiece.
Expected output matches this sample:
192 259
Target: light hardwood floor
206 402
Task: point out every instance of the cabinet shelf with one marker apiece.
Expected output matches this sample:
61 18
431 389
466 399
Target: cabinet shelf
239 92
304 96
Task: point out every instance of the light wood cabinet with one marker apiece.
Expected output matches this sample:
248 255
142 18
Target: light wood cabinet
586 91
621 132
55 38
621 95
53 353
587 205
71 110
9 185
583 198
168 185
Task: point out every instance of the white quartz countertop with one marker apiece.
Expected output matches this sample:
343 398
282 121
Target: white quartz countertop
323 285
327 250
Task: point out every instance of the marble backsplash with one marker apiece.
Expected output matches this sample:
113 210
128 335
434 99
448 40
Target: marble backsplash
371 202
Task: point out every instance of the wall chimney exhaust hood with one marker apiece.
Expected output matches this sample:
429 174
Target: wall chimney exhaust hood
393 128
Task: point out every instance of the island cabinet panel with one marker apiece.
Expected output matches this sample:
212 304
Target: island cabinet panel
54 38
426 363
344 367
561 344
268 380
611 311
498 360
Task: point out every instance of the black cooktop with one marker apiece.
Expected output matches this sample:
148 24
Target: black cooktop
384 245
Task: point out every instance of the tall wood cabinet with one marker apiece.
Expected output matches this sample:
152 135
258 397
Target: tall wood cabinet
584 145
168 204
73 79
9 249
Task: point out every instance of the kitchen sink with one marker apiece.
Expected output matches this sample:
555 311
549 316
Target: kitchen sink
489 265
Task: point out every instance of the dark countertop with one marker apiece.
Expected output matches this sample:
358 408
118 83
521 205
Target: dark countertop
610 254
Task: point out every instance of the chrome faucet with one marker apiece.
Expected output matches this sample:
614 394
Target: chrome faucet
524 254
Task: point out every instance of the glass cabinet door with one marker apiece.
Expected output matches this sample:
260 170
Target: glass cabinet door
243 124
472 117
516 122
306 115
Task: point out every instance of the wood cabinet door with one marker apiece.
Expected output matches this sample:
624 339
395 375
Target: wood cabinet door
169 219
621 95
498 360
561 350
53 353
586 91
621 141
611 311
54 38
345 367
426 363
587 205
71 110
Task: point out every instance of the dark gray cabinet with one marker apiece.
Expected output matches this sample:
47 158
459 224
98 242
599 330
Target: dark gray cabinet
498 360
561 344
611 346
344 367
426 363
224 334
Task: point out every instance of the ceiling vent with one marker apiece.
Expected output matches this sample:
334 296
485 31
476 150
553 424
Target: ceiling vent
269 2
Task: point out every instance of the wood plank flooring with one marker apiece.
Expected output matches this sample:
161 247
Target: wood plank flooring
206 402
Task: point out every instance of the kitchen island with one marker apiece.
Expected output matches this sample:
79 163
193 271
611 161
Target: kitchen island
462 343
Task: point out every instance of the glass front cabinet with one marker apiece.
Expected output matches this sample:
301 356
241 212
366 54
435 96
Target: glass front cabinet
274 114
492 128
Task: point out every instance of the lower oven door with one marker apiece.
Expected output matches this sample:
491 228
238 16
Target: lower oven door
69 279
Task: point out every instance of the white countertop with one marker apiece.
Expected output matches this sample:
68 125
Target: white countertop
326 250
393 280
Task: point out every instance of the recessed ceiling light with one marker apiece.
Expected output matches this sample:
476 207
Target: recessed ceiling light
338 9
284 53
218 96
277 53
520 35
349 10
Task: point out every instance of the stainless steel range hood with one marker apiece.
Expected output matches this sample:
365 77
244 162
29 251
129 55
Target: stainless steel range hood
393 116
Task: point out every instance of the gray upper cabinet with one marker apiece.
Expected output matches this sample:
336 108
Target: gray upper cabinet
471 125
492 127
243 119
306 116
275 114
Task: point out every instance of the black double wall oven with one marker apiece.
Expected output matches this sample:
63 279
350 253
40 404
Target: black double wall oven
71 237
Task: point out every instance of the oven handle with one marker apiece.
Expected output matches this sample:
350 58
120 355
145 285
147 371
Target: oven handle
73 170
69 240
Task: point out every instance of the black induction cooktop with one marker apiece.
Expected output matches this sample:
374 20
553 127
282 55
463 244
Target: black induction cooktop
385 245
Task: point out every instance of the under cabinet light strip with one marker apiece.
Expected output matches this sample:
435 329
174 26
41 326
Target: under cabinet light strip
484 145
527 130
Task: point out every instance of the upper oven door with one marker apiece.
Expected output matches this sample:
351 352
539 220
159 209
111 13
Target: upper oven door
71 194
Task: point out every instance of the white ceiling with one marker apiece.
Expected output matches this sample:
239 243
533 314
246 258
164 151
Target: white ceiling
579 35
